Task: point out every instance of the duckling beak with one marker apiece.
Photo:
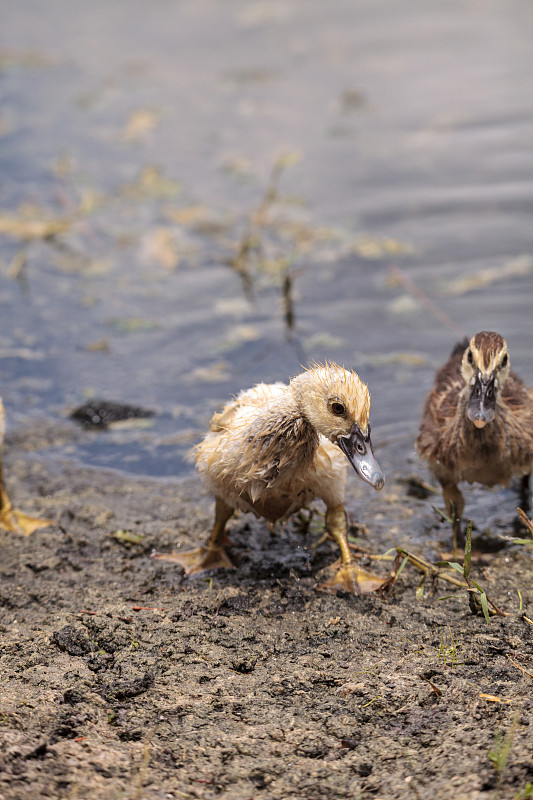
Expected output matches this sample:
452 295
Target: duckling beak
358 450
482 403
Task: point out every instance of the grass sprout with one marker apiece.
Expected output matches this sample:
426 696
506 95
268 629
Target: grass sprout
447 651
501 749
478 598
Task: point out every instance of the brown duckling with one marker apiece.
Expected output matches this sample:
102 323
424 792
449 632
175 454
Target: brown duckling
10 518
275 448
477 424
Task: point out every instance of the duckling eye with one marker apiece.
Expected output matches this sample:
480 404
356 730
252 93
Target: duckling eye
337 408
470 357
505 359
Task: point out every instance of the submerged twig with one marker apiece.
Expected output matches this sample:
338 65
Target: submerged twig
251 242
288 301
251 237
426 301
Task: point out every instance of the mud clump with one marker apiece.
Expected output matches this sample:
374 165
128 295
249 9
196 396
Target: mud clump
122 690
73 641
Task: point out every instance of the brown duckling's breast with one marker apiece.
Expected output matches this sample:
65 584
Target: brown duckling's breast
490 455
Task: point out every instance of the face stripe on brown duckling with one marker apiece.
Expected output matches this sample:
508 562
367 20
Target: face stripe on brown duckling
488 348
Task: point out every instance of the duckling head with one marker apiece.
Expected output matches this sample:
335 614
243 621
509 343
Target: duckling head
485 368
337 403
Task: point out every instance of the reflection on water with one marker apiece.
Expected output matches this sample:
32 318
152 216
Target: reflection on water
199 196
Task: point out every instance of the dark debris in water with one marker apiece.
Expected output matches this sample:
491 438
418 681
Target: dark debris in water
102 413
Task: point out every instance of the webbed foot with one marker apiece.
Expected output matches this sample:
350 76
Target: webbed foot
353 579
16 521
198 560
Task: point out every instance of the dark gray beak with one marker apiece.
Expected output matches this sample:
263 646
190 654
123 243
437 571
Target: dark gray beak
482 403
358 450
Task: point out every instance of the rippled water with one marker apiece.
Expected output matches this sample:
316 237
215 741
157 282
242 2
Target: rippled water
395 137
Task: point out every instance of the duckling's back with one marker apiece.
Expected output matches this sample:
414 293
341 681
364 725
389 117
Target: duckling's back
440 406
262 455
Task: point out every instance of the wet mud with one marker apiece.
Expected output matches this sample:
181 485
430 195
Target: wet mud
123 678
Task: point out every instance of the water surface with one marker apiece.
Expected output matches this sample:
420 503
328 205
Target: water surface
142 138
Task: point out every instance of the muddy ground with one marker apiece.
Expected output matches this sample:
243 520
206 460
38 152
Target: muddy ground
121 678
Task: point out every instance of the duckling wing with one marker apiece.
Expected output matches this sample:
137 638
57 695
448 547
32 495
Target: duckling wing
222 419
258 450
517 395
243 425
448 378
518 419
439 415
258 397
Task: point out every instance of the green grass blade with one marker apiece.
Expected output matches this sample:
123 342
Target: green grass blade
484 605
442 514
518 541
468 550
453 564
402 565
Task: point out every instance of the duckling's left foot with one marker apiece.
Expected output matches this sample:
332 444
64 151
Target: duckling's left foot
13 520
353 579
198 560
17 522
213 554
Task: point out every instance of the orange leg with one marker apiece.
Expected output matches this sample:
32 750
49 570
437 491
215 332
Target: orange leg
349 577
16 521
454 507
210 556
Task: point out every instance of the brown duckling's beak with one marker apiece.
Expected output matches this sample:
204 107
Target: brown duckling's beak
358 450
482 403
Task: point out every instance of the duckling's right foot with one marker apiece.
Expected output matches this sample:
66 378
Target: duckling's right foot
353 579
198 560
15 521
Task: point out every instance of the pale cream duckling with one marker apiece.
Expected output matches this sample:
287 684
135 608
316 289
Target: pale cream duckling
276 448
477 423
10 518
